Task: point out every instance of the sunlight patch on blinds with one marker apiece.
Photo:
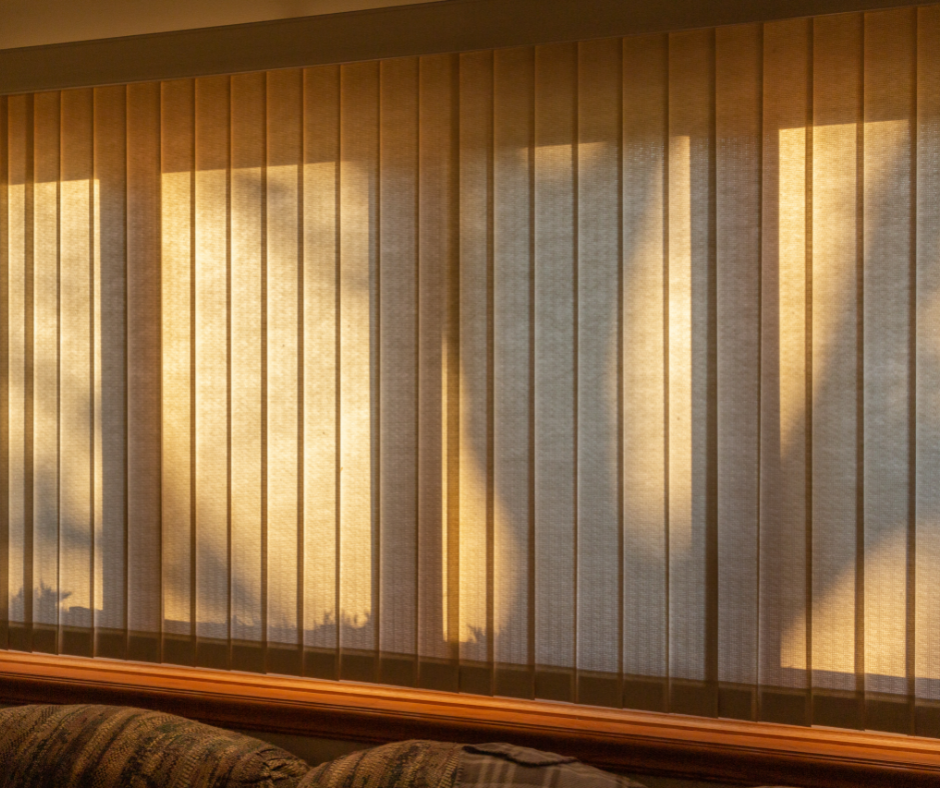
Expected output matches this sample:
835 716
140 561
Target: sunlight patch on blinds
601 372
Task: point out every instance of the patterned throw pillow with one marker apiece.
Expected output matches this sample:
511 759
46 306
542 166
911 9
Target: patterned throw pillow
120 747
428 764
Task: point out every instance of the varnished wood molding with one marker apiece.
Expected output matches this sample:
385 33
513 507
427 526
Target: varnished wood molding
453 26
624 740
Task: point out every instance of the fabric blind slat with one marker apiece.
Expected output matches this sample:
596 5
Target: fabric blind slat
19 269
785 373
280 198
109 377
212 340
887 341
42 544
645 570
398 369
927 373
598 371
513 512
555 369
143 371
177 379
690 283
76 449
246 330
358 295
475 521
837 71
321 383
737 238
437 258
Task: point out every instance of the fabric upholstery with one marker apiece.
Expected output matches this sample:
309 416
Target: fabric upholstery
88 746
408 764
500 765
428 764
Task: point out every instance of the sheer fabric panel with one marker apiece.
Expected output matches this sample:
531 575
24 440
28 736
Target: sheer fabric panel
600 372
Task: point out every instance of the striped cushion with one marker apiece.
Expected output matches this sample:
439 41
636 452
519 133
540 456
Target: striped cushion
407 764
120 747
429 764
500 765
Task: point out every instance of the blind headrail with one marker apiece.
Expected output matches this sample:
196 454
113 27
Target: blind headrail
400 31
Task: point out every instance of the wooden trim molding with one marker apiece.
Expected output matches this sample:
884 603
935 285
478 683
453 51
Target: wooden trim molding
628 741
431 28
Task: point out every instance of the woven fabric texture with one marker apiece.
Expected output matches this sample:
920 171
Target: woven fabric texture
429 764
408 764
88 746
500 765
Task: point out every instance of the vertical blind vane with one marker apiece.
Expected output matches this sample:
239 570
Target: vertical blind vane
604 372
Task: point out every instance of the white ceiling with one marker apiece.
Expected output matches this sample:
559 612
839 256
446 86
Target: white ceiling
26 23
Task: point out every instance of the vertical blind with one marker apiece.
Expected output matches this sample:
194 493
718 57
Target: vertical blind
606 372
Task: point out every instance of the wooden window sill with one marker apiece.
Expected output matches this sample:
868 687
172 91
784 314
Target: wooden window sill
630 741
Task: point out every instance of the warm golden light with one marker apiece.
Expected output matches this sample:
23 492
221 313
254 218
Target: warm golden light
591 367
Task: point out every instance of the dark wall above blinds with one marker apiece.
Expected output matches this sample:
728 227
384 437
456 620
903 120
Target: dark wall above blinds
435 28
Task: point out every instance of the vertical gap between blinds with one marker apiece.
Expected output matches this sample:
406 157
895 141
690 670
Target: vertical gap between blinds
621 540
711 526
910 656
192 378
338 357
576 294
376 387
229 261
490 383
301 376
125 513
809 113
418 283
452 353
860 387
756 694
337 111
667 416
531 597
93 357
59 643
161 590
265 549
